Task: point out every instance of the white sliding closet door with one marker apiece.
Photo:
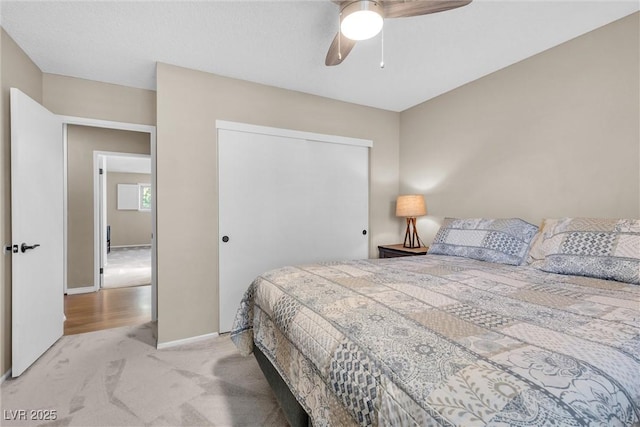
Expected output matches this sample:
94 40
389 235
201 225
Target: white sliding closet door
286 201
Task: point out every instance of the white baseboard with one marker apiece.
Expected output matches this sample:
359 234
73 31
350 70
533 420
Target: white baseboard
146 245
162 345
81 290
5 376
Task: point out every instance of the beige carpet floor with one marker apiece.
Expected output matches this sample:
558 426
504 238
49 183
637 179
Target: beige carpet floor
116 377
127 267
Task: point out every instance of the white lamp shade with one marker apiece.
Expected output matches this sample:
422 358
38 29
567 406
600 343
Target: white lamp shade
361 20
411 206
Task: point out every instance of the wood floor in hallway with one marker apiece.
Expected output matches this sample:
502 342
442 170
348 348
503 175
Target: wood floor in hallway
107 308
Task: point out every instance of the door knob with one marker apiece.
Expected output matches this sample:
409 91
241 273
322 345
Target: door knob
24 247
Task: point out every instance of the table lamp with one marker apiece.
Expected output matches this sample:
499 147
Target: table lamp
411 206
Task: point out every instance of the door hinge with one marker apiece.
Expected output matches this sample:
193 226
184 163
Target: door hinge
101 171
101 270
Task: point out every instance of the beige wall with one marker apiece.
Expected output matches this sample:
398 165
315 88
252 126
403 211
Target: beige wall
554 135
82 141
71 96
189 103
17 70
128 227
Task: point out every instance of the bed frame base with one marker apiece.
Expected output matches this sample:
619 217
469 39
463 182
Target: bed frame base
293 411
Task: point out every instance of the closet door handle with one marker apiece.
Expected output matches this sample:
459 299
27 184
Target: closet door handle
225 239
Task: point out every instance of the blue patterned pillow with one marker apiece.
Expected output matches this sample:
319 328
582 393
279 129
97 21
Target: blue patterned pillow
594 247
505 241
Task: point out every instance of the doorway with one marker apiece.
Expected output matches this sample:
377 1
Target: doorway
87 300
123 205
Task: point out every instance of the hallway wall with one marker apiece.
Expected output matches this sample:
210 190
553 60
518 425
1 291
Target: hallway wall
128 227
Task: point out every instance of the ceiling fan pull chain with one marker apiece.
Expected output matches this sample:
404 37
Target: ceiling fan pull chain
382 49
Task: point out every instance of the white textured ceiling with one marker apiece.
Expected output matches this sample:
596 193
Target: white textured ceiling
283 43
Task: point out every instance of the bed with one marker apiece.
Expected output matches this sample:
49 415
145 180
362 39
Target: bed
458 340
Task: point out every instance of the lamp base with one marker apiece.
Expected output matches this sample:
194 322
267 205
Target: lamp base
411 239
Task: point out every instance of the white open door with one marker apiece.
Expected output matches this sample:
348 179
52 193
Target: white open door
37 230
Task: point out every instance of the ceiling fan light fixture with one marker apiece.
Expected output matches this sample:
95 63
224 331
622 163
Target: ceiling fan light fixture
361 20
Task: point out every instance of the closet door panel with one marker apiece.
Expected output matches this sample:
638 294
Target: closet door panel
286 201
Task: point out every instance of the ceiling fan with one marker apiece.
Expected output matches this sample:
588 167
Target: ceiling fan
363 19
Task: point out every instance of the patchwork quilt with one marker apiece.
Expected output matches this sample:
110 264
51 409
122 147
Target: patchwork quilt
441 340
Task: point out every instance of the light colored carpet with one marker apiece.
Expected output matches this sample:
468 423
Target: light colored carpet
116 377
127 267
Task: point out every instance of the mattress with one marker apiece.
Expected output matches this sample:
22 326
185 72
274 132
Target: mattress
441 340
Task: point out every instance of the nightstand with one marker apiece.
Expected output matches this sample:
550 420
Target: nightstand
393 251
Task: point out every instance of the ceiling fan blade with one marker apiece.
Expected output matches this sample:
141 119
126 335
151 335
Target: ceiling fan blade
333 56
407 8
